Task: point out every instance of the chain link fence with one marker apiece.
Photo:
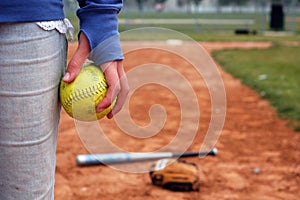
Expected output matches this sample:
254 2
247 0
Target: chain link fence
208 16
218 16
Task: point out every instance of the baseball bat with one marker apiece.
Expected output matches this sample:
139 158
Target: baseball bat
117 158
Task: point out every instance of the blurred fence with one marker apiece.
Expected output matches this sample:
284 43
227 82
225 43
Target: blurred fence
255 17
209 16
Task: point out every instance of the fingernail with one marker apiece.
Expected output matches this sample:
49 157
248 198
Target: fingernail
67 76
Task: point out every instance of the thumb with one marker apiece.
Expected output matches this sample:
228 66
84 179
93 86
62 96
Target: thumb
78 59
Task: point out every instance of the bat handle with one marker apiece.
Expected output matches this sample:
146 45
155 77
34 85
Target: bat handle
213 152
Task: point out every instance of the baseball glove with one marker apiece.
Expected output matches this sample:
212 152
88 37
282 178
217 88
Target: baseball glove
176 175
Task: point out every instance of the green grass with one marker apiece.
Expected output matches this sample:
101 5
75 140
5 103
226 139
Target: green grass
273 73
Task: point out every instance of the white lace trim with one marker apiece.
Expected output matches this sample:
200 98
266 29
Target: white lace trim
62 26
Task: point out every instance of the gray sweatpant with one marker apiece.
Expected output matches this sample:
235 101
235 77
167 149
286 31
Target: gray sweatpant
32 61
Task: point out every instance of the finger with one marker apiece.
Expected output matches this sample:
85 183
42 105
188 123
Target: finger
78 59
112 79
121 97
121 71
123 92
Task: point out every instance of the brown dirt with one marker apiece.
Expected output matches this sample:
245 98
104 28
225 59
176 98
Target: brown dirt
253 137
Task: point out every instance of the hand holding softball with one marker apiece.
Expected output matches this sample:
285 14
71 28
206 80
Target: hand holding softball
118 87
113 71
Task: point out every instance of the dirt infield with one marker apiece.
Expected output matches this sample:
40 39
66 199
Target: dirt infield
259 156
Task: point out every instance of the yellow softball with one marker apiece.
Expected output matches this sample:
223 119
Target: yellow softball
81 97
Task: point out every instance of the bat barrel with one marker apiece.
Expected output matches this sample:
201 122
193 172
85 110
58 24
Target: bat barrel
113 158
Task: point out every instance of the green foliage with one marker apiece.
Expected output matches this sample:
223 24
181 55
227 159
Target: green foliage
273 73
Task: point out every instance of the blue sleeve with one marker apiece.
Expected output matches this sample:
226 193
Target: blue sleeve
99 22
